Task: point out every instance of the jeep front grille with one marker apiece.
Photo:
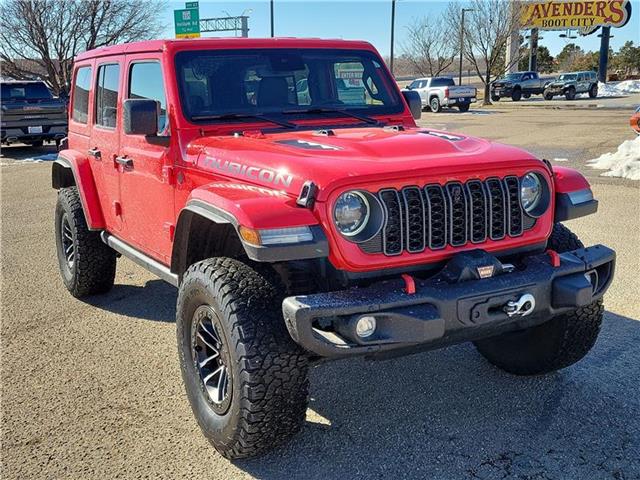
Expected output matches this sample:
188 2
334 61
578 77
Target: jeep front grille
454 214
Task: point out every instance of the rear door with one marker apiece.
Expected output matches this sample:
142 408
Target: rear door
145 174
105 138
583 83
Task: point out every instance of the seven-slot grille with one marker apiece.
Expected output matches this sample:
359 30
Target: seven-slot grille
454 214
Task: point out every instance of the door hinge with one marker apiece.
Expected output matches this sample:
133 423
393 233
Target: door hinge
170 228
168 175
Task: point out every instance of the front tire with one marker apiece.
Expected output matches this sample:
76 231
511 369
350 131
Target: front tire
228 318
570 94
547 96
555 344
516 95
87 265
495 98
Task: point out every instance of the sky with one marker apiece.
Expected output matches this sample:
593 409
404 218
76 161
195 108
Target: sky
365 20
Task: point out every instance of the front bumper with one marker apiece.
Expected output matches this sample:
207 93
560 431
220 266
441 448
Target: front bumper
453 307
504 91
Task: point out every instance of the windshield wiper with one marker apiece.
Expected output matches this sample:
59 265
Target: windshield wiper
234 116
362 118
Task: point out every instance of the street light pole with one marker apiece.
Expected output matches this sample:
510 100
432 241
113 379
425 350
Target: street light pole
462 42
271 6
393 25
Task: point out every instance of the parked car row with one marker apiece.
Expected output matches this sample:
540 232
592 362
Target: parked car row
439 92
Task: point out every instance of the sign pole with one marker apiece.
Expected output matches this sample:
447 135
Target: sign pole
533 50
604 54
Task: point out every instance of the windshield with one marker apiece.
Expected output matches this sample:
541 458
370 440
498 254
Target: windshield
567 77
276 81
25 91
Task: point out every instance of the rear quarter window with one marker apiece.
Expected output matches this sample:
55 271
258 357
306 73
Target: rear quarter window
81 95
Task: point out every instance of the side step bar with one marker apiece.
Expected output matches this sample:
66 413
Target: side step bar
140 258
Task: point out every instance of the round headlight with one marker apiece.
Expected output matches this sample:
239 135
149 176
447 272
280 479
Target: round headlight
530 191
351 213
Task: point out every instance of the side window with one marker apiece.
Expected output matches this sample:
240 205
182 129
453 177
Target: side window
107 95
81 95
145 82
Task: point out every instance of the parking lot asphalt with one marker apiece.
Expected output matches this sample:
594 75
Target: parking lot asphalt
92 389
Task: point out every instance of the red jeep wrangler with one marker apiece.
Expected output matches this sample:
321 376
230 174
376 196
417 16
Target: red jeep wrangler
283 186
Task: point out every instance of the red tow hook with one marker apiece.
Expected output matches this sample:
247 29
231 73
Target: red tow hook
409 284
555 258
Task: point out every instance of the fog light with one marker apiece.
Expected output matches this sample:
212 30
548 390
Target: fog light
365 326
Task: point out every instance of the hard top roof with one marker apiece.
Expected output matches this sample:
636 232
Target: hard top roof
221 43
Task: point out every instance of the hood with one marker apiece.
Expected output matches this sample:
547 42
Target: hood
334 158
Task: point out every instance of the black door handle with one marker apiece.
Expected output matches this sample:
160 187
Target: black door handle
94 152
125 161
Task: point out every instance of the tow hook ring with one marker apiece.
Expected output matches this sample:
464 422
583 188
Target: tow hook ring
521 307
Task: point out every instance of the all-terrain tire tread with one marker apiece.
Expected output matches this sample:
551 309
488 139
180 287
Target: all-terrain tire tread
273 370
95 262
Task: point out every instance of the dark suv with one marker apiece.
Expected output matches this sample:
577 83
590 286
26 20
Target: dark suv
30 114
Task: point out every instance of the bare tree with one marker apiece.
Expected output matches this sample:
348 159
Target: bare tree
40 38
486 32
429 46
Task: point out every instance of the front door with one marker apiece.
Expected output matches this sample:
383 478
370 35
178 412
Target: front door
105 138
146 186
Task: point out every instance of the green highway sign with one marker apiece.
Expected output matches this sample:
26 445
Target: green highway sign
187 23
191 5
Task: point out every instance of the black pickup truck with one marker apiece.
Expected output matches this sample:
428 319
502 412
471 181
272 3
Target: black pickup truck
30 114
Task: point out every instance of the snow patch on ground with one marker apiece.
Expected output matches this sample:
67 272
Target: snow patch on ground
625 162
47 157
560 159
618 89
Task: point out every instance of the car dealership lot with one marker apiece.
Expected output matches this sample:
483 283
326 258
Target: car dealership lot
93 390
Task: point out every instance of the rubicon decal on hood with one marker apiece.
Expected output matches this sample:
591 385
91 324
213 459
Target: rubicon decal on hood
265 175
446 136
307 145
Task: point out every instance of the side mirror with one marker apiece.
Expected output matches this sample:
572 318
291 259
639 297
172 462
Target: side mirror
414 102
140 116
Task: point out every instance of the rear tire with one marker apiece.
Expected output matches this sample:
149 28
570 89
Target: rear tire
265 398
593 91
527 95
87 264
570 94
555 344
464 107
434 104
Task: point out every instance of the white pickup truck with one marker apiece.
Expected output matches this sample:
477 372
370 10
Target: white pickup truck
438 92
